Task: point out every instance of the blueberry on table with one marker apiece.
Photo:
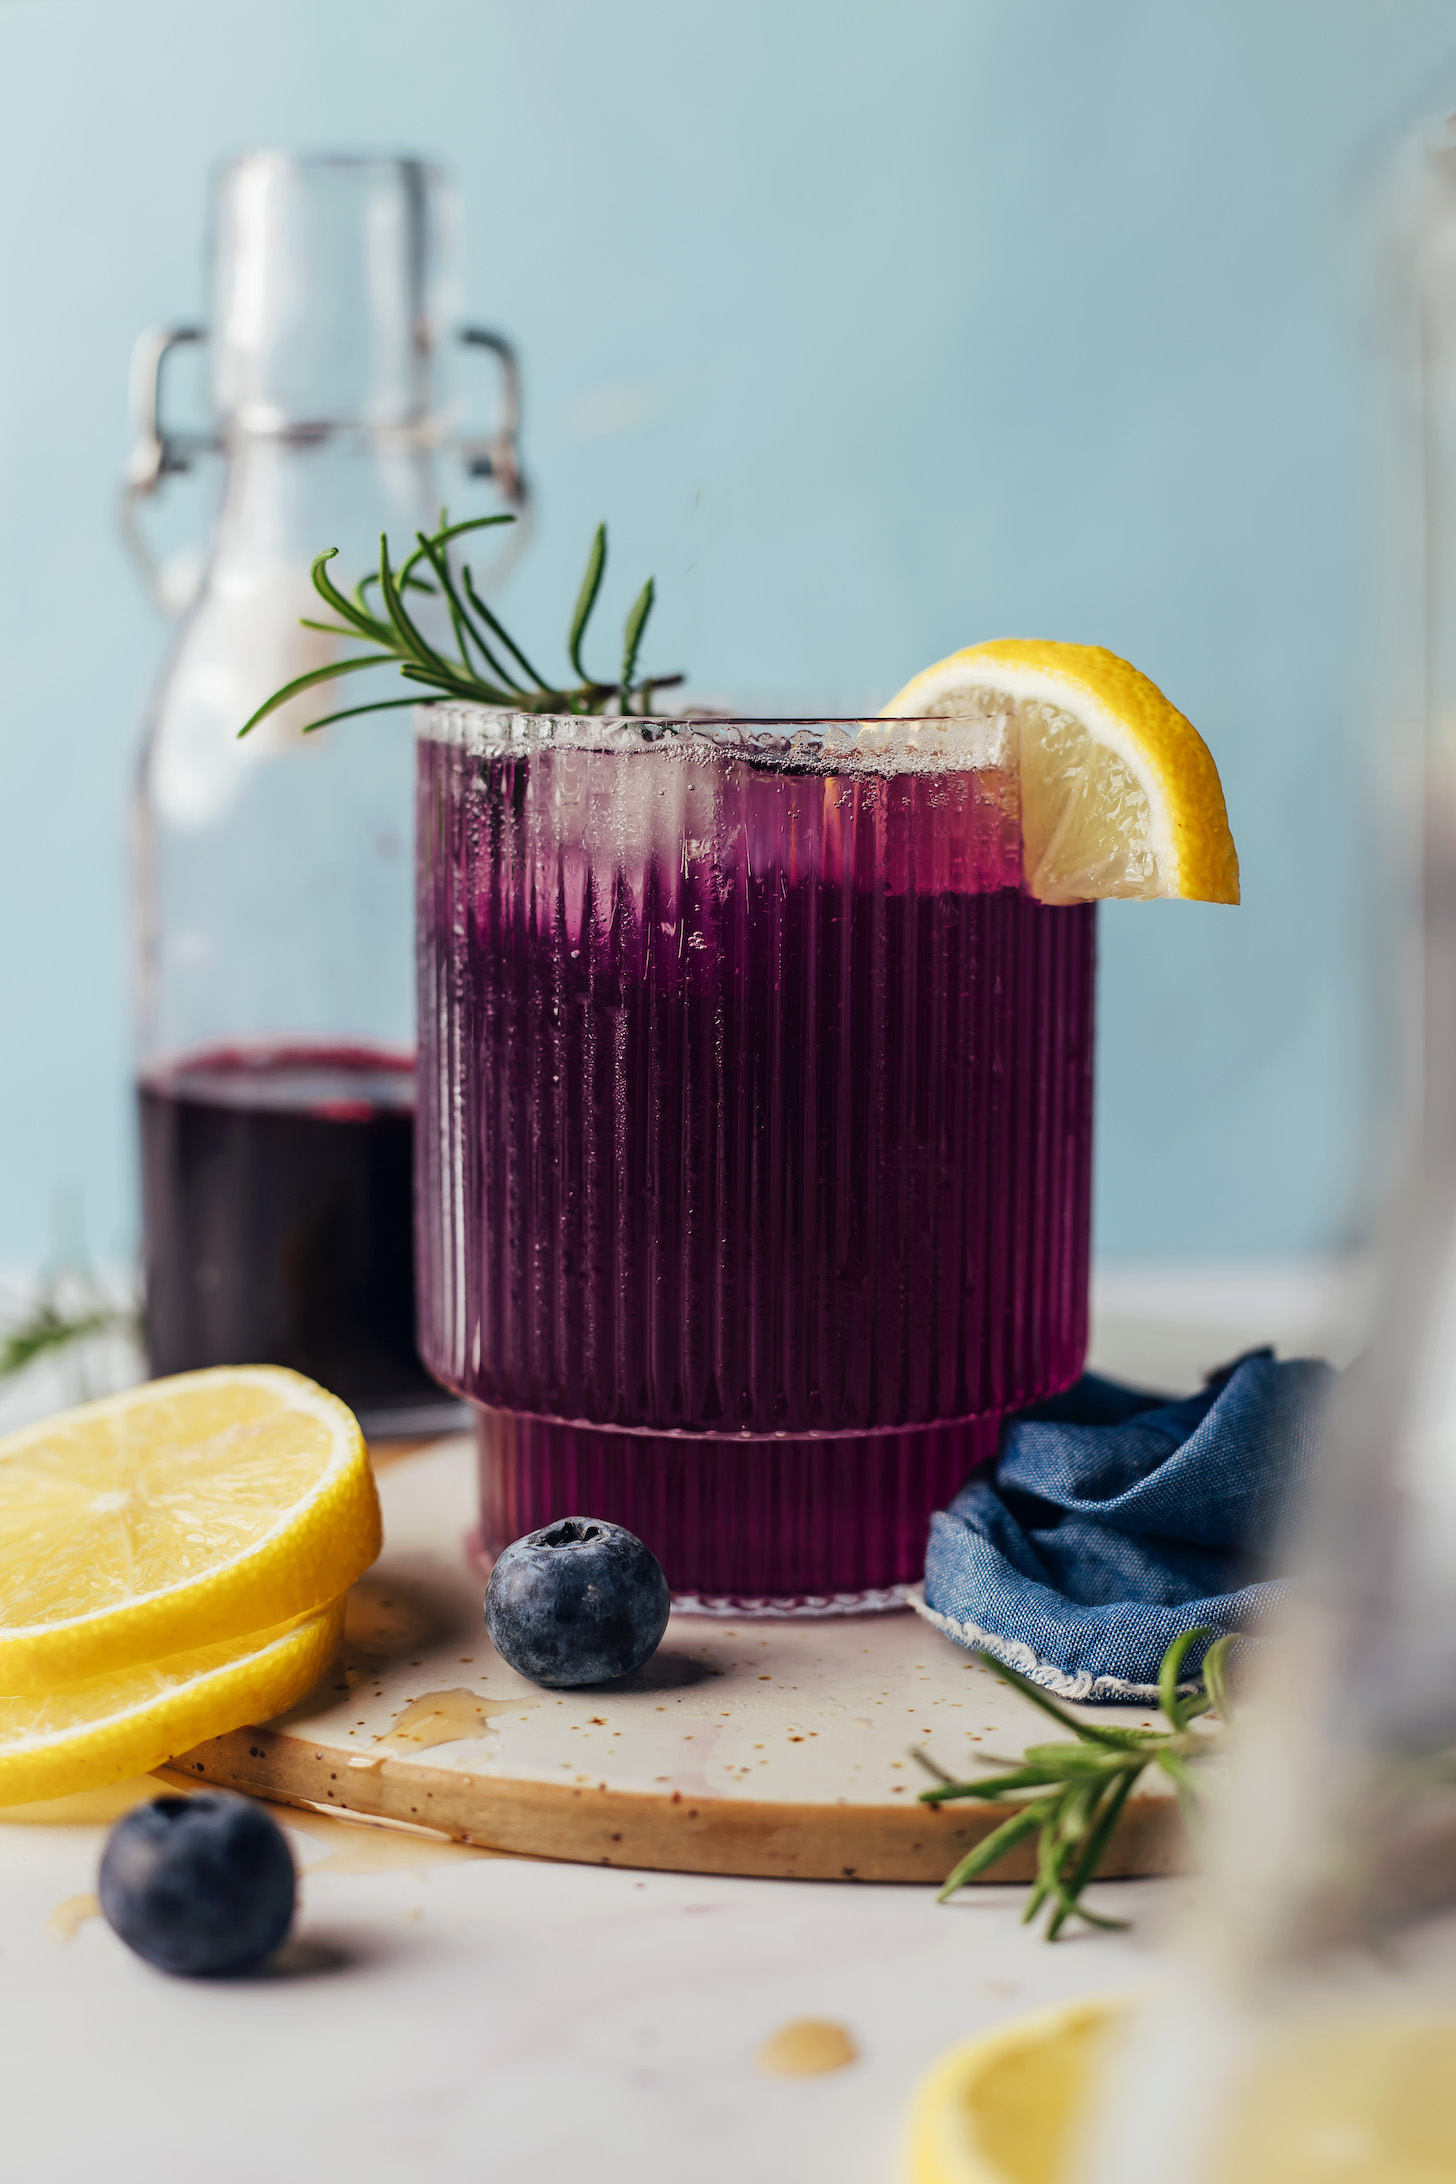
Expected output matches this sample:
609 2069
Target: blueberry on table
200 1885
580 1602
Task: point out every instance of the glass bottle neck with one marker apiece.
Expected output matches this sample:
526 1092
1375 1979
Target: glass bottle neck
289 497
332 282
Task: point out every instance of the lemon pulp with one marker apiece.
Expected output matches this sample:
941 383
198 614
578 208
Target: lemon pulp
80 1736
1345 2101
1118 793
183 1513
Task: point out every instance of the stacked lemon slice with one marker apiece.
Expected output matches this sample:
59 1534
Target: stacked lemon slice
173 1563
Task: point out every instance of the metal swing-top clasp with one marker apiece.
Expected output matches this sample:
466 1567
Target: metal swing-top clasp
158 452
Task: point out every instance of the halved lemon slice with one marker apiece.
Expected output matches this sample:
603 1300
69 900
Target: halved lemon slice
81 1736
183 1513
1119 793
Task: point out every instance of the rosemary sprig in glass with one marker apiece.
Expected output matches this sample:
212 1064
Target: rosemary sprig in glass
487 666
1071 1796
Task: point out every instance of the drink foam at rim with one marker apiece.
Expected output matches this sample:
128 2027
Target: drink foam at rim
981 740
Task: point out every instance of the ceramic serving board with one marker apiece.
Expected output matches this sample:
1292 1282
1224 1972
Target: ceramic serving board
768 1748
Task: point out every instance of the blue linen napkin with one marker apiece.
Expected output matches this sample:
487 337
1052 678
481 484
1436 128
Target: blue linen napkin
1113 1519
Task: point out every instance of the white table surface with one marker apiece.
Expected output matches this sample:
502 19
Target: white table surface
459 2017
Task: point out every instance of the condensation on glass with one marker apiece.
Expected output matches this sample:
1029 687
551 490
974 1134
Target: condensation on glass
755 1133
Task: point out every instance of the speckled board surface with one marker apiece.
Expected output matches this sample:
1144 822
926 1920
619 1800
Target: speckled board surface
743 1747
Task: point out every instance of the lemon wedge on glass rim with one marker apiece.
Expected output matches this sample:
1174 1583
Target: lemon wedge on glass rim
1118 794
186 1513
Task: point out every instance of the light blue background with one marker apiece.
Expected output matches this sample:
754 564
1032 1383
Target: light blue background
874 330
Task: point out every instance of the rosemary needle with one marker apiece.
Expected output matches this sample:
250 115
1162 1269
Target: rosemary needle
1071 1796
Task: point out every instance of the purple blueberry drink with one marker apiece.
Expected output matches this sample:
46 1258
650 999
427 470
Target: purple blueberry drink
754 1135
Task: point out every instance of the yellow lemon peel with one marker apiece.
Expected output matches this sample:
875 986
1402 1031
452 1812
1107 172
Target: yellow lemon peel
188 1512
1119 794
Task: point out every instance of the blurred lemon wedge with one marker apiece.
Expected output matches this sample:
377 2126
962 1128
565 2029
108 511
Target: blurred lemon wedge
1004 2107
81 1736
190 1512
1360 2096
1119 794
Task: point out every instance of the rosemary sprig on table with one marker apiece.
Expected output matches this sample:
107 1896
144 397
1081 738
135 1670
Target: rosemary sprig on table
487 666
47 1326
1071 1796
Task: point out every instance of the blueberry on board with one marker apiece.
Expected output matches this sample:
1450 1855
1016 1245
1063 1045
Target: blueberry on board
580 1602
199 1884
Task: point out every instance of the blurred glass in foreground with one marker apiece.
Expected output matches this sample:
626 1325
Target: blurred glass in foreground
1308 2029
